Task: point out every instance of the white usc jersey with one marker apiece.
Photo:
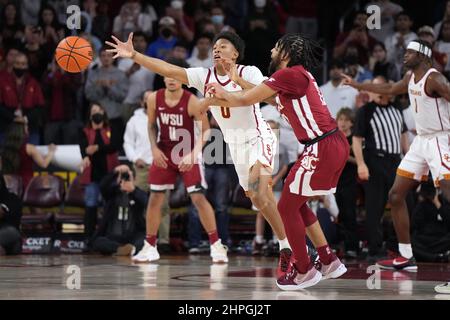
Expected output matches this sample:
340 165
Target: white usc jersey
432 115
430 149
241 124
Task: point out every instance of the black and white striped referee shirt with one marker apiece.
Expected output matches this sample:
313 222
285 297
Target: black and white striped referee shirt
381 127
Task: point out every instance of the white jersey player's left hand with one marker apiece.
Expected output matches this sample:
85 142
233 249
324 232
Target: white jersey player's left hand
215 90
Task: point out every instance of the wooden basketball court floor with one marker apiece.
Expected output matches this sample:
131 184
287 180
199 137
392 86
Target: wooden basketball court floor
186 277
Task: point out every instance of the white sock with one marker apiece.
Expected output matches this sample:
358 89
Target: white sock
259 239
284 244
405 250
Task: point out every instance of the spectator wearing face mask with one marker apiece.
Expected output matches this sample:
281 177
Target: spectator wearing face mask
161 47
21 96
99 152
218 18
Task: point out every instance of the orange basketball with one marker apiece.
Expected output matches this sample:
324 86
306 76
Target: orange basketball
73 54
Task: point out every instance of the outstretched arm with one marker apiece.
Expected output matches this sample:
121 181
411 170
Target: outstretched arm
239 98
126 50
399 87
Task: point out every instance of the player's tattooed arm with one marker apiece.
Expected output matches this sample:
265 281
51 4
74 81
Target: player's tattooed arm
254 186
438 86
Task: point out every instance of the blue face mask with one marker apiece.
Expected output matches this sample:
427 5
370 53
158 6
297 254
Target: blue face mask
217 19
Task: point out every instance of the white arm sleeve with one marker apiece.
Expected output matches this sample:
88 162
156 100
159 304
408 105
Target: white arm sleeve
197 78
253 75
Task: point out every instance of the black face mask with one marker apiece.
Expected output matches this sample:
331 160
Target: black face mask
166 33
97 118
351 59
19 72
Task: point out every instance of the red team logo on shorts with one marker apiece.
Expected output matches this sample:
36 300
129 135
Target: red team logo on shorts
269 150
446 157
309 162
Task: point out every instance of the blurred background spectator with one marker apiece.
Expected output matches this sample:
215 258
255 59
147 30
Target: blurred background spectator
140 79
131 19
357 37
166 40
108 85
335 94
21 97
396 43
381 66
18 155
389 11
60 88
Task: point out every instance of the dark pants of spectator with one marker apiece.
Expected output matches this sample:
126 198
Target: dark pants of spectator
106 245
218 180
10 240
117 129
62 132
382 171
346 201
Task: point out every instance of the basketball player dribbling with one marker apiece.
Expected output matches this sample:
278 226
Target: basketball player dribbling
171 113
429 95
317 170
253 151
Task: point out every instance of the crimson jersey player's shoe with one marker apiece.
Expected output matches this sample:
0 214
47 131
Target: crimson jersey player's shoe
333 270
398 263
293 280
284 262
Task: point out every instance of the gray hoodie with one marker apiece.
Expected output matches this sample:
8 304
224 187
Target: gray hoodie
110 98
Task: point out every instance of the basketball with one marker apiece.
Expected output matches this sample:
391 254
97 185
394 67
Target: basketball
73 54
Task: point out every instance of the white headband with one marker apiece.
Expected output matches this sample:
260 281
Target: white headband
416 46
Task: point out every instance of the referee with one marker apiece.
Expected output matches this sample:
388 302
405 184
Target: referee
382 128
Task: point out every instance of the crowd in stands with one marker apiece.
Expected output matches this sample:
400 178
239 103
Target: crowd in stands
103 108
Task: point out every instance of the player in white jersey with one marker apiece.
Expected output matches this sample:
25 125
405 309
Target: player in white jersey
252 143
429 94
